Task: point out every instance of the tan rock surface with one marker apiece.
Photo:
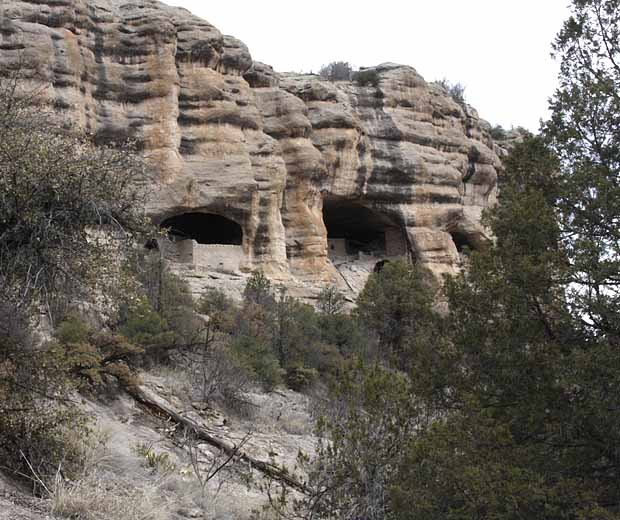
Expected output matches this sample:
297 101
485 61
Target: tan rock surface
229 136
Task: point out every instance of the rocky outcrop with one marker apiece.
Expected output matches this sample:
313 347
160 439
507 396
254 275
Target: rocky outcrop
385 166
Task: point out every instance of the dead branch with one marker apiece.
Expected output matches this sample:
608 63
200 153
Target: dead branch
160 408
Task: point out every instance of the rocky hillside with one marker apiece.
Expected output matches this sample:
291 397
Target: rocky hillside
280 164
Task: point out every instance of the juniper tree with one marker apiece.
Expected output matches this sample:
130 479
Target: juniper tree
528 424
67 209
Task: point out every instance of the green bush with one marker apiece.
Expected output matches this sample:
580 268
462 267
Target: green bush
72 330
346 332
337 71
367 78
37 414
158 462
295 330
177 307
396 306
301 378
331 301
259 359
326 359
220 308
167 295
498 133
274 334
141 323
92 358
258 289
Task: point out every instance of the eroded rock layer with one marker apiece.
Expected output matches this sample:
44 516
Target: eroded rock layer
397 164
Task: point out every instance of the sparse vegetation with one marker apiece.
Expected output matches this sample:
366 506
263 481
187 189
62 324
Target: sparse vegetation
498 133
100 495
367 78
205 471
158 461
337 71
455 90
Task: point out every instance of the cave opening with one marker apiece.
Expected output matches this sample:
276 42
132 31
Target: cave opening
353 229
204 228
462 242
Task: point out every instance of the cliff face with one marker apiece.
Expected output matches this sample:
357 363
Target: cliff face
394 167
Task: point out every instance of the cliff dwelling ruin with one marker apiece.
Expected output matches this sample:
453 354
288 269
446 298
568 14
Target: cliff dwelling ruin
203 240
240 156
355 232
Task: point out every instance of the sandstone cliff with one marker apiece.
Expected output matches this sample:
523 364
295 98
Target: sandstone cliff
307 180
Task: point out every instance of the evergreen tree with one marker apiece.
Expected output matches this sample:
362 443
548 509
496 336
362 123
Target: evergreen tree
528 422
396 306
532 426
584 131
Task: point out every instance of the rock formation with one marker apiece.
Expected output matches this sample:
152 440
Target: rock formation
308 180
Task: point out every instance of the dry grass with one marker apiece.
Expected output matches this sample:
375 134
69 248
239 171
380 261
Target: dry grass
111 489
134 484
283 413
175 380
101 492
102 496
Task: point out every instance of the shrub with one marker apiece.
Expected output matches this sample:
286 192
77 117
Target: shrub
259 359
300 378
345 332
258 289
141 324
69 210
220 308
367 77
397 306
295 330
455 90
326 359
91 357
158 462
337 71
50 174
498 133
72 330
167 294
39 437
331 301
37 415
282 334
221 376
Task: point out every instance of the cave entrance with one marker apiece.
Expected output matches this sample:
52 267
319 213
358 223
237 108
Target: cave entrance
461 241
467 240
353 230
204 228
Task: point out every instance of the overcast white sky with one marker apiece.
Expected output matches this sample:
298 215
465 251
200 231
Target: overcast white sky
499 49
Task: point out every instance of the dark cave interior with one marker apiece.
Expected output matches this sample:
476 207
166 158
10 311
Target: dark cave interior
461 241
204 228
363 229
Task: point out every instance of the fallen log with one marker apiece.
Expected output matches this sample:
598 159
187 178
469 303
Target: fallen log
161 408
